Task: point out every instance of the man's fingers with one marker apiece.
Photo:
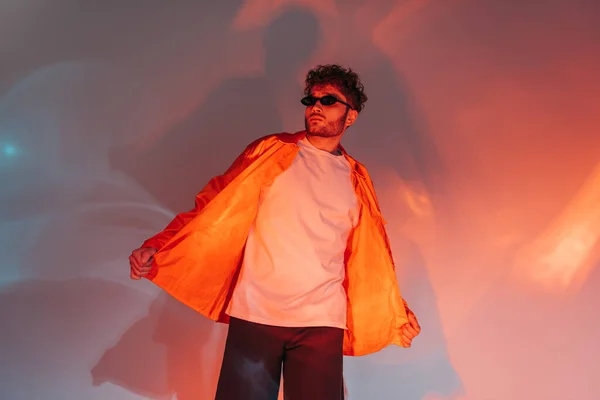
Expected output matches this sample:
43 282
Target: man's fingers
133 261
408 328
405 336
408 332
133 275
140 262
142 259
412 320
139 271
148 264
405 342
134 267
138 267
146 255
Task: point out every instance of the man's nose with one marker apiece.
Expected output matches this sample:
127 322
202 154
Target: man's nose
318 107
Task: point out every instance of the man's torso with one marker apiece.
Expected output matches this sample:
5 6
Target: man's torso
293 265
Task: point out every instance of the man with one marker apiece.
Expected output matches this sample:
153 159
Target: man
288 246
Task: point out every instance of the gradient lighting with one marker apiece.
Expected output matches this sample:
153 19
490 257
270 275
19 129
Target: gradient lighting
481 134
9 150
563 256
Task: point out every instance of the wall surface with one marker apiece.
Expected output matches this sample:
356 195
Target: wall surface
481 134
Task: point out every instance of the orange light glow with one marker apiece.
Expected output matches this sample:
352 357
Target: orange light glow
563 256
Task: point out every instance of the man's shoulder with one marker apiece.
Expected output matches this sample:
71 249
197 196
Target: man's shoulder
267 141
285 137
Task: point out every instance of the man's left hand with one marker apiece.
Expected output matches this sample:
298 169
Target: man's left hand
409 330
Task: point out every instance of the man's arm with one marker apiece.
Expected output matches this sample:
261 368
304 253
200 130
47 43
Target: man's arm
412 328
212 188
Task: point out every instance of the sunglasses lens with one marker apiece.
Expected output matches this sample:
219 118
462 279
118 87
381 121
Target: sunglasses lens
328 100
325 100
309 101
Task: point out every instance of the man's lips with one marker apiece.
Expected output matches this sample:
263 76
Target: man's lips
316 118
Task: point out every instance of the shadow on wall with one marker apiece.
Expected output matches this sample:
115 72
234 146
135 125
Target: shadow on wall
392 131
241 110
423 370
392 134
174 169
171 351
150 27
95 234
52 331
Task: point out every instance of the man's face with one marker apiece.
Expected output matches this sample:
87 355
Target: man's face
327 121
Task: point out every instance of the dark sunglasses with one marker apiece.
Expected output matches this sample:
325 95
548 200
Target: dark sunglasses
327 100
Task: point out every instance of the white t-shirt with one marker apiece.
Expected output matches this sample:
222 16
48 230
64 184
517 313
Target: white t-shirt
293 265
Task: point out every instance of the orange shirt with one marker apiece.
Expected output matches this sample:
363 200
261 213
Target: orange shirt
200 251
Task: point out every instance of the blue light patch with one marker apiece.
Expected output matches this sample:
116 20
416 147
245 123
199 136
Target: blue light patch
9 150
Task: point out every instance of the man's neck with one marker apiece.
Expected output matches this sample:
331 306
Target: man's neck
330 144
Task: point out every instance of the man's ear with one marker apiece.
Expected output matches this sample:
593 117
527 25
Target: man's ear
351 117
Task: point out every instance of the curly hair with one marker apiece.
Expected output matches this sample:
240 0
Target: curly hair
344 79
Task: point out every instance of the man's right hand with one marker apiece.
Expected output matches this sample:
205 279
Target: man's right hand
140 262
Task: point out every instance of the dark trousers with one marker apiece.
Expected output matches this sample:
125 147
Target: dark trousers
255 354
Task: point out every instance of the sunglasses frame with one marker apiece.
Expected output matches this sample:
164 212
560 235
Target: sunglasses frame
307 100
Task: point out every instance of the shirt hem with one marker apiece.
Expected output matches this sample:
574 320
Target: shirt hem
288 324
